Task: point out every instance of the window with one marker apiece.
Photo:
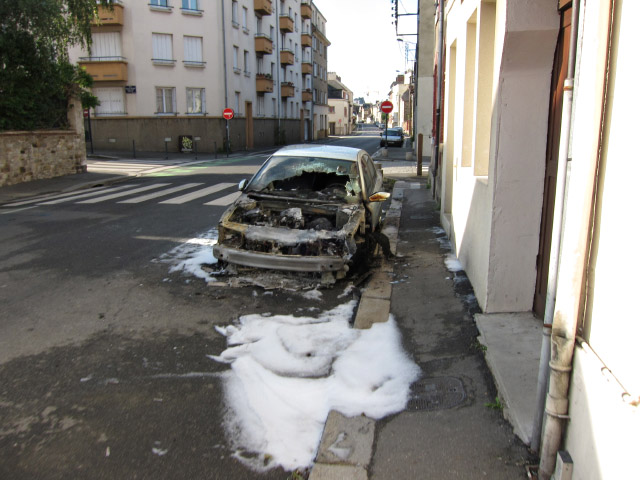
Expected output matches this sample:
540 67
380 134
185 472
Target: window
295 22
273 106
106 46
246 64
258 25
245 19
165 100
195 100
236 59
261 105
332 109
271 32
158 3
111 101
237 106
190 4
193 51
162 49
234 14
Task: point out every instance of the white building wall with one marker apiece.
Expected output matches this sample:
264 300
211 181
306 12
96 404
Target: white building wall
493 180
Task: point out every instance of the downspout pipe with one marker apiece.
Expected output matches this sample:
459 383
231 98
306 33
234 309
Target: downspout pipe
571 277
556 232
436 146
224 63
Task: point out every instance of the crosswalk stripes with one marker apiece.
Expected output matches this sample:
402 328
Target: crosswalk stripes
161 193
122 194
136 194
128 166
226 200
198 194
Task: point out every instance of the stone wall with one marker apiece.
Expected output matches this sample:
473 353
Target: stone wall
26 156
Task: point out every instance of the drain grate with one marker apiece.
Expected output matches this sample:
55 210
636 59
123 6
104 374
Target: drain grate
436 393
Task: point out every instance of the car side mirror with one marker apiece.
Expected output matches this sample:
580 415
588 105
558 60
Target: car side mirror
379 197
242 184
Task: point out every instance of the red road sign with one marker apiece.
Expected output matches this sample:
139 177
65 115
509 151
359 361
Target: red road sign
386 106
227 113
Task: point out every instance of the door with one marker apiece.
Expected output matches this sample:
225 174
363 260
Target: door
559 75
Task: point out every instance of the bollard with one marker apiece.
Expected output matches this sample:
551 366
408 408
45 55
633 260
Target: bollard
420 136
166 147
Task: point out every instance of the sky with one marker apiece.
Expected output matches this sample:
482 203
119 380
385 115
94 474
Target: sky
364 49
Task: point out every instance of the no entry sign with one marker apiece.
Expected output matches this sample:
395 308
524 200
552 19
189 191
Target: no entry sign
386 106
227 113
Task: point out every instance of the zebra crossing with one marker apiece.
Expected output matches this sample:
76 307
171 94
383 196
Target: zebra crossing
129 167
137 193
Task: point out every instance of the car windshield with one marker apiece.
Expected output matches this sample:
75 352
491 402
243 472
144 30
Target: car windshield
395 131
286 173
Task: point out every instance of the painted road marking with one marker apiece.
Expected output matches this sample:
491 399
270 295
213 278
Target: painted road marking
161 193
198 194
226 200
93 193
123 194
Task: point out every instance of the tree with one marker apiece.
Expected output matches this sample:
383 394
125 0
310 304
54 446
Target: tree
36 78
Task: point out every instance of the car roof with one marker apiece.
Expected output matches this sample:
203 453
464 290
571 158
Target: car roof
322 151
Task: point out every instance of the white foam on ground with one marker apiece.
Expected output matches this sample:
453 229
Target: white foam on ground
288 372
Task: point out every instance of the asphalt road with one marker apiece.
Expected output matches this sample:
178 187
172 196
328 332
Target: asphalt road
103 367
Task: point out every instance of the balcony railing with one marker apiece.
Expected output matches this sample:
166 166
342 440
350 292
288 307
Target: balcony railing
110 16
307 68
306 40
287 89
262 7
305 10
307 95
264 44
105 69
264 83
286 57
286 24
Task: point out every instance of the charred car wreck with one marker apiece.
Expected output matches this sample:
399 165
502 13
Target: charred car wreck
309 209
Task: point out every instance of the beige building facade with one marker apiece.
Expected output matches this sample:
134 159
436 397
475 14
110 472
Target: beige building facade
529 161
167 68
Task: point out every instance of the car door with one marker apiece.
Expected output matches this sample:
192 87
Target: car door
371 182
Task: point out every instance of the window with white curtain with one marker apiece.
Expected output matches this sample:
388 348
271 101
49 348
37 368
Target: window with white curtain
234 14
195 100
193 51
106 46
237 102
236 59
162 48
246 63
111 101
261 106
165 100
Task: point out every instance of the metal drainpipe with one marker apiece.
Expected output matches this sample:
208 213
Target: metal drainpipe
224 62
556 233
436 146
568 307
278 66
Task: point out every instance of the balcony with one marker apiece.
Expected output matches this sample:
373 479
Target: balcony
263 44
264 83
287 89
305 11
286 57
306 40
286 24
307 95
109 17
105 69
307 68
262 7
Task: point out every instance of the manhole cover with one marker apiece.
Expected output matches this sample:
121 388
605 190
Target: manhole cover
436 393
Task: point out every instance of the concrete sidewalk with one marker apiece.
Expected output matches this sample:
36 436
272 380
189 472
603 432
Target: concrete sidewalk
454 425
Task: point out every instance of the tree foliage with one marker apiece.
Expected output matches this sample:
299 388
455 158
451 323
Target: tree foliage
36 78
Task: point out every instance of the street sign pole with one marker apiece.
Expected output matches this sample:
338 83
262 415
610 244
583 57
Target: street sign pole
227 142
228 113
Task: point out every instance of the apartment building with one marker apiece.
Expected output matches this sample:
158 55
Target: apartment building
164 70
340 106
320 46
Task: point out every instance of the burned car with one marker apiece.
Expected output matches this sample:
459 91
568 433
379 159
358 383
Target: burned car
309 208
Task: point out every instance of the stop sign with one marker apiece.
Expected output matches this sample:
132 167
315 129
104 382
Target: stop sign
227 113
386 106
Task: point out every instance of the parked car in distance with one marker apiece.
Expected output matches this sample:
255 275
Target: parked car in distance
392 136
310 208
